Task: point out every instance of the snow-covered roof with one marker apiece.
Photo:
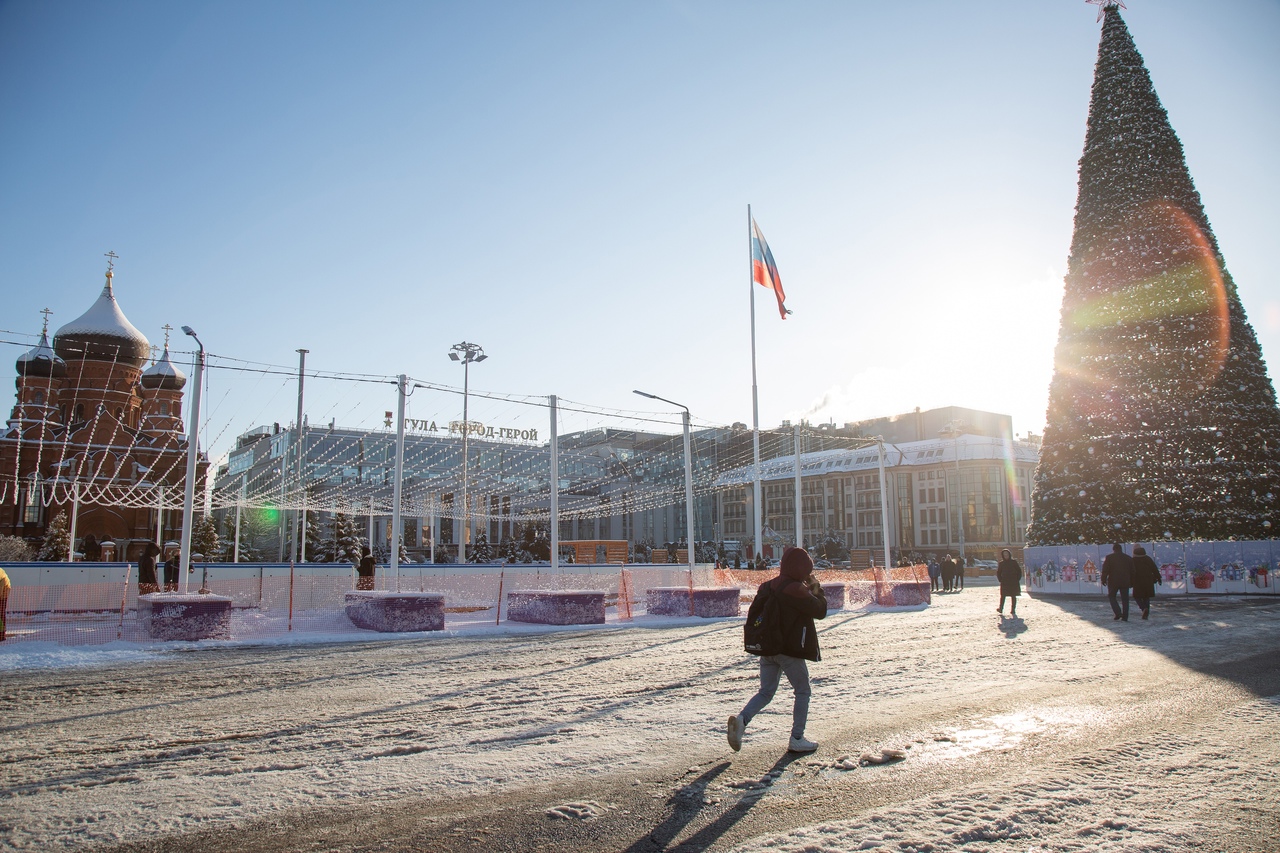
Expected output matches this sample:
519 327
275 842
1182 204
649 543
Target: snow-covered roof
41 360
163 374
910 453
103 332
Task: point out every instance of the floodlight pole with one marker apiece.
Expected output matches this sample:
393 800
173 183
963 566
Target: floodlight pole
884 503
299 523
401 387
688 475
193 439
465 353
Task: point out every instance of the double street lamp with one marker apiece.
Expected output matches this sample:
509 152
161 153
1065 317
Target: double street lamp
688 474
465 353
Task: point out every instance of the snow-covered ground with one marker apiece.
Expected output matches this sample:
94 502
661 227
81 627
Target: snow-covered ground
1061 731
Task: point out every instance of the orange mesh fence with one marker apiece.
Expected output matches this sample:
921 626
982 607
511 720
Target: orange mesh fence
898 586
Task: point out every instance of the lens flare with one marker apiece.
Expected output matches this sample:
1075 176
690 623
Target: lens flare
1146 305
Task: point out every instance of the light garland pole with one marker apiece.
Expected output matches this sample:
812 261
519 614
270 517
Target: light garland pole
688 476
465 353
193 438
952 430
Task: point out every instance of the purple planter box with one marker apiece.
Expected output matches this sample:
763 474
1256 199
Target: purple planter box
185 616
557 607
395 612
835 594
903 593
708 602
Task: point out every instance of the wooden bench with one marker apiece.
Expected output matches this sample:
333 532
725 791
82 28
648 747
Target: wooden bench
708 602
556 607
395 612
185 616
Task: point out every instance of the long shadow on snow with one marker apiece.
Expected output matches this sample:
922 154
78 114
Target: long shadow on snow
1228 637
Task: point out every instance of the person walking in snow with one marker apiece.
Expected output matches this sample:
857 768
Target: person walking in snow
1145 577
800 600
365 570
1009 573
1117 577
171 567
147 582
4 600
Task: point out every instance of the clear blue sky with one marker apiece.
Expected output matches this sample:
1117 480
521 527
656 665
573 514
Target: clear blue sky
566 184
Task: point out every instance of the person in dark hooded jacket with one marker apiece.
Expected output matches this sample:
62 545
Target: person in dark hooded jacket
800 601
1145 577
1117 577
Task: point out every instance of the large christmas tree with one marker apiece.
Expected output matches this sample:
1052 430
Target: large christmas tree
1162 421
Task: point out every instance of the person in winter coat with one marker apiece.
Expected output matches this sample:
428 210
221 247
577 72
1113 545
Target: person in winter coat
4 599
1009 573
1117 576
948 572
171 567
801 600
935 575
147 582
1145 577
365 570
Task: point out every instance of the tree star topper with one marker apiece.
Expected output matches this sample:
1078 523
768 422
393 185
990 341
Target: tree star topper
1104 5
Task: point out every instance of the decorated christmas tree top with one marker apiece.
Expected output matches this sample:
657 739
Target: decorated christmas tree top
1162 421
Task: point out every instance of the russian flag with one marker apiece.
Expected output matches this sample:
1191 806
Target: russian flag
763 270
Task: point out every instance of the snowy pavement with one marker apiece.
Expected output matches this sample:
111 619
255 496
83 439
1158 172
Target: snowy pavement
1061 731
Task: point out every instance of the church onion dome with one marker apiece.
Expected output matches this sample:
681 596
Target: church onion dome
103 333
164 375
41 361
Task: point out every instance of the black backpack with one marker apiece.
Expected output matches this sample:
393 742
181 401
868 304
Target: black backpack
762 635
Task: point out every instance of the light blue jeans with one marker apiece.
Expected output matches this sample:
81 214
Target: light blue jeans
771 669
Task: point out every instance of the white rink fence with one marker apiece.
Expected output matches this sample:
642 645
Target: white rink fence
1225 568
79 604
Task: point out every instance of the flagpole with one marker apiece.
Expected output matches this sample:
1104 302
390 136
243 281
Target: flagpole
758 502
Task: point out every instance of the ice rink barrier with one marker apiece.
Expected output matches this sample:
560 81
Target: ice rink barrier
92 603
1246 567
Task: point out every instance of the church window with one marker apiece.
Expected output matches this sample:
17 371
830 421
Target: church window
38 398
31 504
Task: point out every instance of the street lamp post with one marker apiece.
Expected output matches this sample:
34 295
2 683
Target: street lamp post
465 353
952 429
688 474
193 439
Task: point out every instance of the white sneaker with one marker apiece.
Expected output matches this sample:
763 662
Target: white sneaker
799 744
734 731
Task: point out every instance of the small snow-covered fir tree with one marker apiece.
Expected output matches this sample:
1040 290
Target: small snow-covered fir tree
318 541
205 540
480 552
348 542
57 540
1162 421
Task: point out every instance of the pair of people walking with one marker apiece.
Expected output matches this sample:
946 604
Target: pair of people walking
1121 573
